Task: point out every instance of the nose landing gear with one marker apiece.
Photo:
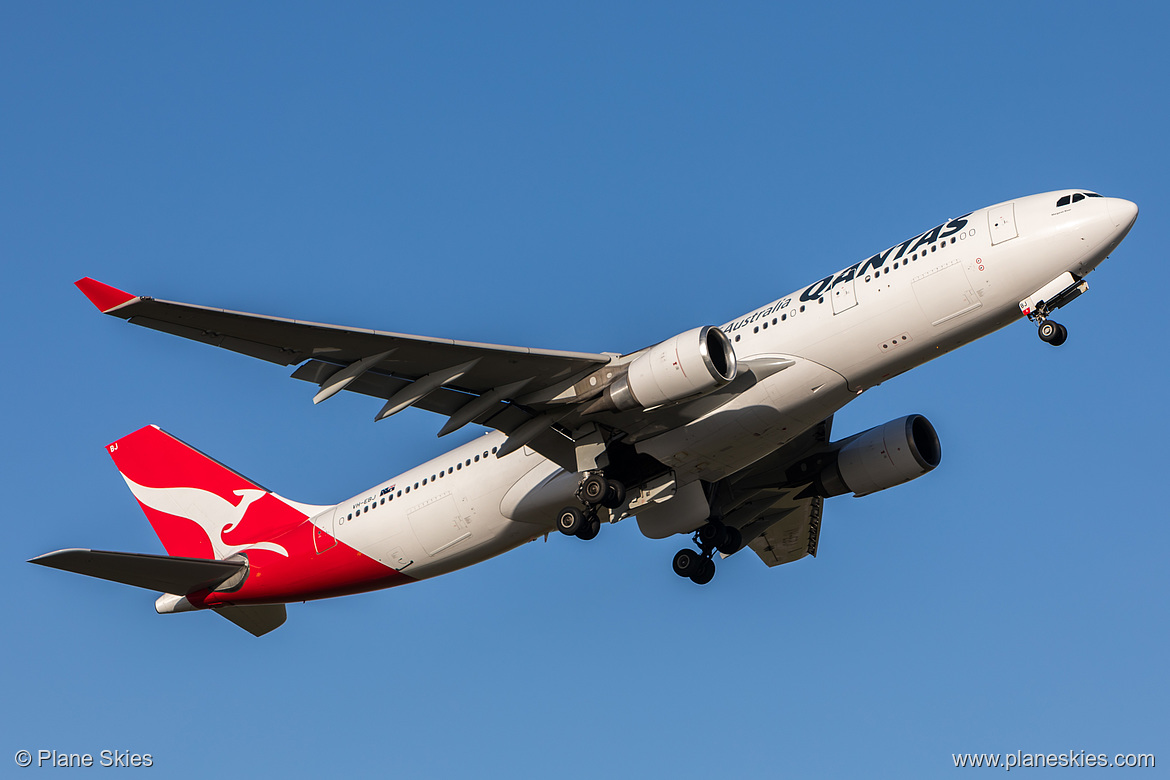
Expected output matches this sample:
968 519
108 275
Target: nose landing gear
1052 332
1039 305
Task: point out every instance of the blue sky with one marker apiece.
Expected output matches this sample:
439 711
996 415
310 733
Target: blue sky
595 177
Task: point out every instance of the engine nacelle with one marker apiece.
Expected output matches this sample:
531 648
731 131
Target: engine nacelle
882 457
689 365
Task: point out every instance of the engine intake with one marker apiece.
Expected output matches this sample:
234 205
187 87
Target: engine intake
882 457
689 365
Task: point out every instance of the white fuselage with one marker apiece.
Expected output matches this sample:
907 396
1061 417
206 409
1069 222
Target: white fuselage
844 334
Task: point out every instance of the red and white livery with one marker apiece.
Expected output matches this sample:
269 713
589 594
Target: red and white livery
718 433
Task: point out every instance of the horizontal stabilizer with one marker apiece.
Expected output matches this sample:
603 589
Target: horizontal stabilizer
153 572
256 620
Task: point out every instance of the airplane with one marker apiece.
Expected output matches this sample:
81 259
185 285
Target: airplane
720 433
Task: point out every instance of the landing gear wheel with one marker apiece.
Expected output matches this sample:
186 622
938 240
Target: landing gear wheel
594 489
615 496
688 563
570 521
705 574
1061 337
1052 333
591 530
712 535
732 543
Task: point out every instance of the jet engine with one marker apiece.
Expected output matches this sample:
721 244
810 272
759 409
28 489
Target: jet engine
690 364
882 457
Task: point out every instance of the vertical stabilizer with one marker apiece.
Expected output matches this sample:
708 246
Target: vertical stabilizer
199 507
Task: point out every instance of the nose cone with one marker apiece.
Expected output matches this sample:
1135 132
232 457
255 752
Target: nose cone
1123 212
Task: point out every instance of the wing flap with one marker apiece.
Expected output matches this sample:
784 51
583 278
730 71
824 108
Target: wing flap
254 349
791 535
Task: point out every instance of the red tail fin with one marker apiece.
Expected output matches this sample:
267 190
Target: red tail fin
198 507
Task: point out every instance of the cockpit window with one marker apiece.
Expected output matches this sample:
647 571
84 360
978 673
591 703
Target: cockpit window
1065 200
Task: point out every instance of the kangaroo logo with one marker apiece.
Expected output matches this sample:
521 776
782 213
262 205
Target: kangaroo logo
215 515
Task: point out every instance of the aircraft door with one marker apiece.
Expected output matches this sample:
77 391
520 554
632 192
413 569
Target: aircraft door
946 293
325 530
438 525
844 296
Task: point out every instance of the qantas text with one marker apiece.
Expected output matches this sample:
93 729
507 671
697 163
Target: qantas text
820 288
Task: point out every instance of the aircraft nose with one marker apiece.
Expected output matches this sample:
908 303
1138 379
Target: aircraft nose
1123 212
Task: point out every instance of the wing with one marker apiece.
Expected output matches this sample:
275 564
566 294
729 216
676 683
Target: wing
774 513
512 389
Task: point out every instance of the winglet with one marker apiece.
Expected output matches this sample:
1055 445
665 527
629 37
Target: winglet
103 296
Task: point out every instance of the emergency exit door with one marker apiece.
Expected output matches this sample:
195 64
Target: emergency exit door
1001 221
844 296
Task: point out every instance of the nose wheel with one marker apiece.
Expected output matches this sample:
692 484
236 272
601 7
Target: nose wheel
1049 332
1052 333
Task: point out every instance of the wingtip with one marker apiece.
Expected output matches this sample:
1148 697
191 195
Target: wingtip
49 559
103 296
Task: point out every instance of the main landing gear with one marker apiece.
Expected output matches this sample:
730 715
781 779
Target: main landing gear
595 490
699 567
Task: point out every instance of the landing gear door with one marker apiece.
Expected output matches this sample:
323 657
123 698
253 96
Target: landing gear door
1001 221
844 296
